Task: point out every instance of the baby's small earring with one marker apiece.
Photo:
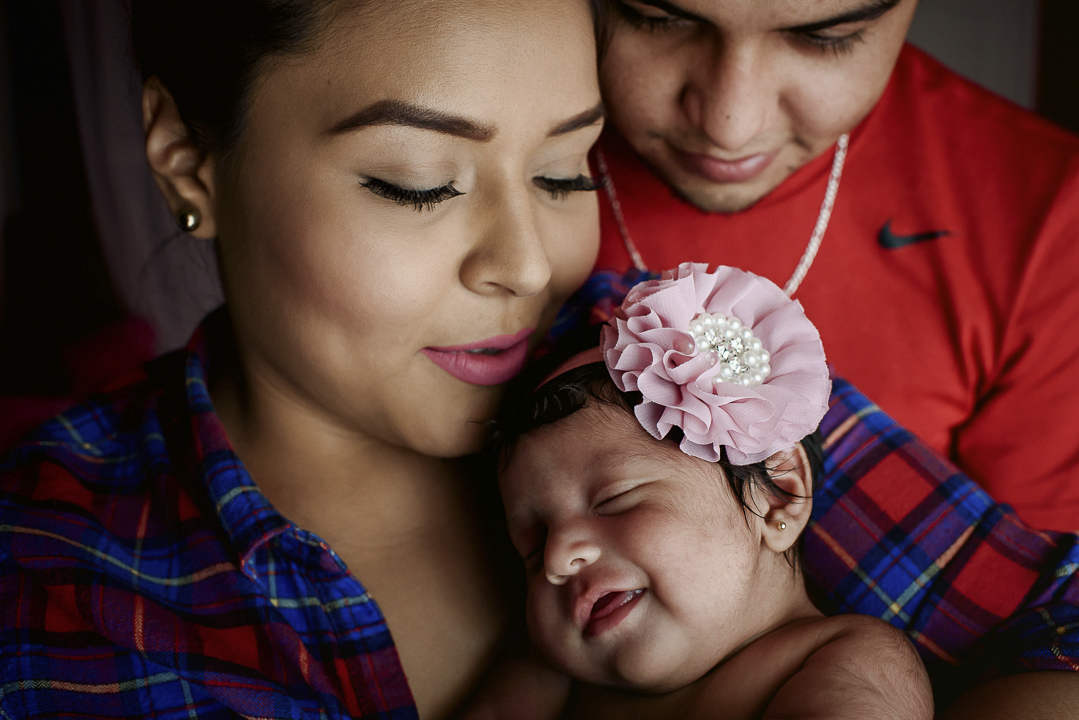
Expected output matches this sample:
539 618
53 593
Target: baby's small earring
782 525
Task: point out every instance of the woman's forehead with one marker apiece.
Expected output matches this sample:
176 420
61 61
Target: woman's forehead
474 59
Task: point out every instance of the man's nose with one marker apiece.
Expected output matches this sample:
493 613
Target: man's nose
732 96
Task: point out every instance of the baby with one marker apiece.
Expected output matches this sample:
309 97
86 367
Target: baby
657 488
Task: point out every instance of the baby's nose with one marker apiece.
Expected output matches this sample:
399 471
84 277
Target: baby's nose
568 559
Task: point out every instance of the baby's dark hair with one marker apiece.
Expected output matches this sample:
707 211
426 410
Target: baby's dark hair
525 409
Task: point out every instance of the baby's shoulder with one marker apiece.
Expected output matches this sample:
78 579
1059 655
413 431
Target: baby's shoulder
846 638
841 651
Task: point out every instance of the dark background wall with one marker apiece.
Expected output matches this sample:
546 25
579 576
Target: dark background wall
993 42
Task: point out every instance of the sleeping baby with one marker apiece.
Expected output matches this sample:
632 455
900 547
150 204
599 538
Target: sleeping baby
657 487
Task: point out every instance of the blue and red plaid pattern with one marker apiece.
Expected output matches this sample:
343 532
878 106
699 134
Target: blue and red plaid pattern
898 532
143 574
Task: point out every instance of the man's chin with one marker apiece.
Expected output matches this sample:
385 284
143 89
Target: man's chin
712 197
716 198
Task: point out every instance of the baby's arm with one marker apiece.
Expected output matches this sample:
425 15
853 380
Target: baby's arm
849 667
862 668
521 687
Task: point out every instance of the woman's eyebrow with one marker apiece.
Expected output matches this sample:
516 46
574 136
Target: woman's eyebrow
589 117
869 11
399 112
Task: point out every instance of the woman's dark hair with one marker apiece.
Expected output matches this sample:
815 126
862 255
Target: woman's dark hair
208 53
525 409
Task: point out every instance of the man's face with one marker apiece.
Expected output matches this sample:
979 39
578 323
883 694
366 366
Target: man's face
726 98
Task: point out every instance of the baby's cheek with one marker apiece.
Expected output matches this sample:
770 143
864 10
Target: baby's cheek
546 627
538 609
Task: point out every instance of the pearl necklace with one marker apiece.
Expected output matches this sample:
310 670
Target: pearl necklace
814 240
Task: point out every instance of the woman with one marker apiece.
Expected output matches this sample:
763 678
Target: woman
399 193
399 196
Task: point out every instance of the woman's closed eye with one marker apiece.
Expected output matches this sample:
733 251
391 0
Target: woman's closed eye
560 188
419 200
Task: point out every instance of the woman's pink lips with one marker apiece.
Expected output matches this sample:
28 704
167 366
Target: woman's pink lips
610 610
726 171
505 357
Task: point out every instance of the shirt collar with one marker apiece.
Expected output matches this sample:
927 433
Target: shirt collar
245 513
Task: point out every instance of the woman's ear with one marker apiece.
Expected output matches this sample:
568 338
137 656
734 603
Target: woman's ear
183 171
786 515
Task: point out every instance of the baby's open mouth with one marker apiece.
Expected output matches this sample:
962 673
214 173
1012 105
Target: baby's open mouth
611 609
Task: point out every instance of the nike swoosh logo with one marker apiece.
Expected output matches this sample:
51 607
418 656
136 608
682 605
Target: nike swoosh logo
890 241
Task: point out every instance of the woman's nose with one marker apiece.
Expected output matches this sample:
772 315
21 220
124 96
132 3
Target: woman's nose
509 255
563 558
730 99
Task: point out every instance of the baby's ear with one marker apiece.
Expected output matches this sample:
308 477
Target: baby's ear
787 514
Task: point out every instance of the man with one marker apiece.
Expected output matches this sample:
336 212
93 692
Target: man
944 286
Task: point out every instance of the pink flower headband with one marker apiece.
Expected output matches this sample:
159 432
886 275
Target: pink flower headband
725 356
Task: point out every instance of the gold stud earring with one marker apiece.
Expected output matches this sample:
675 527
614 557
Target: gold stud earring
782 525
188 219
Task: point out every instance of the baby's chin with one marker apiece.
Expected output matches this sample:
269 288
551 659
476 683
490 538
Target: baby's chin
657 677
640 667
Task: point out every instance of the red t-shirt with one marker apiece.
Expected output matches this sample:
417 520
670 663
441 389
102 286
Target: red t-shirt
970 339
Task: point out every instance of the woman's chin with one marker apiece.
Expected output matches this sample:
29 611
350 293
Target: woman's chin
457 435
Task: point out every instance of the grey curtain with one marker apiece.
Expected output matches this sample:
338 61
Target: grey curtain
160 274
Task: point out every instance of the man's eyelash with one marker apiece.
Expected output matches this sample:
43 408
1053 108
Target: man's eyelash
560 188
641 21
837 45
419 200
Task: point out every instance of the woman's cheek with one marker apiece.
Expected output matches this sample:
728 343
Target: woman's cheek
575 248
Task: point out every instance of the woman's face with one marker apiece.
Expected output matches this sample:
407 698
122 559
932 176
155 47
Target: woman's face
408 210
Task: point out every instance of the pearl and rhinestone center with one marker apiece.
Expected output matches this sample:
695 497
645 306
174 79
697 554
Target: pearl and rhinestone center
741 356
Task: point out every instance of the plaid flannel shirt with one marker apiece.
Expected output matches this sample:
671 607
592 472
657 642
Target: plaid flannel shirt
143 574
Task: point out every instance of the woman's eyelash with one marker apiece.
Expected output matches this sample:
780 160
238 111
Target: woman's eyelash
837 45
417 199
560 188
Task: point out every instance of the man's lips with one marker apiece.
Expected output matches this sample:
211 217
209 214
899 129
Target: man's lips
488 362
611 609
725 171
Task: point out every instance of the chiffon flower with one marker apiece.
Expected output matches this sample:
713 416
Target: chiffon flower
725 356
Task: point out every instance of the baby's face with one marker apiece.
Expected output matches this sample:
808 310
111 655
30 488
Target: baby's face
642 571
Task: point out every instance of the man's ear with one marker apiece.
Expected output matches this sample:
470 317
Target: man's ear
183 171
786 515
